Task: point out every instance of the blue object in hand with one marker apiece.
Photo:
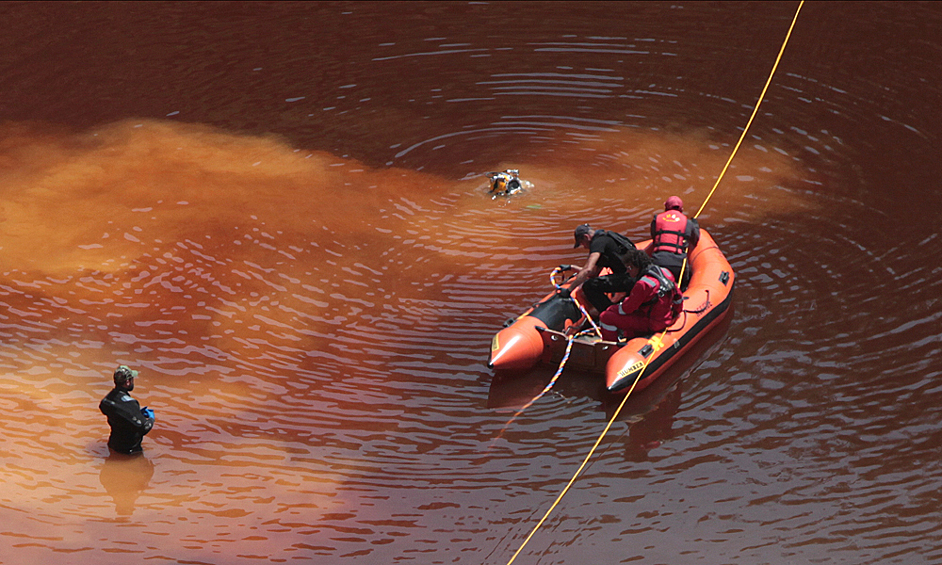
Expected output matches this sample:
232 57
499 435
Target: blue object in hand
148 412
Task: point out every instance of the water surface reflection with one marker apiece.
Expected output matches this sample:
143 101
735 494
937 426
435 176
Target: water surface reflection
277 212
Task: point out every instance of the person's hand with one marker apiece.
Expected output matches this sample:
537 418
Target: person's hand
148 413
563 292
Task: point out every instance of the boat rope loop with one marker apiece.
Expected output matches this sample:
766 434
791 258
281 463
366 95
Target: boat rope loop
585 313
582 309
641 373
562 363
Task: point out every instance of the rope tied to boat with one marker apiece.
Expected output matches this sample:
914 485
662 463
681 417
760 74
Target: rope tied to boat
641 373
549 385
581 308
562 364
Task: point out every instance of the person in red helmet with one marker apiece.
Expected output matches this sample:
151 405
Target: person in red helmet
674 234
653 304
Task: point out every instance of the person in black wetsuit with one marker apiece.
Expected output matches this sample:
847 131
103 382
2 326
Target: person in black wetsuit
129 422
606 249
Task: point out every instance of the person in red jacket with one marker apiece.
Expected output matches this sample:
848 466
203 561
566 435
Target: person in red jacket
674 234
653 304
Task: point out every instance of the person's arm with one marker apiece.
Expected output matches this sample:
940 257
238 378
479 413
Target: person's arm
148 416
129 410
640 293
590 270
693 233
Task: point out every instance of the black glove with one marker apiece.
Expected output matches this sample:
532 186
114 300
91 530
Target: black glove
563 292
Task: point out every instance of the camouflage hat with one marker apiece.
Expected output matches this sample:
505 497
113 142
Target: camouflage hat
124 373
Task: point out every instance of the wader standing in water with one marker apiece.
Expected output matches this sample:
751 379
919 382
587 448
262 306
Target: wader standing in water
129 422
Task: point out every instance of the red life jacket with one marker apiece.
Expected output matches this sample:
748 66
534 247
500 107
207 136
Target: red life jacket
666 303
670 229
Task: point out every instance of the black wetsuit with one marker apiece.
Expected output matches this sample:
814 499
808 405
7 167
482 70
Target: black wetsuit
612 248
128 424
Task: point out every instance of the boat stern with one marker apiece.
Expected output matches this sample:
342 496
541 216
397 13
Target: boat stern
622 370
640 360
518 346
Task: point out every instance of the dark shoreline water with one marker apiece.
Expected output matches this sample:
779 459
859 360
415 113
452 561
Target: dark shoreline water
276 212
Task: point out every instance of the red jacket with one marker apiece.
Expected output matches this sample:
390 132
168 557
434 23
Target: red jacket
660 310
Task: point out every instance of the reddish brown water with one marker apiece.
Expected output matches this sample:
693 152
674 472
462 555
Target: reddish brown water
277 213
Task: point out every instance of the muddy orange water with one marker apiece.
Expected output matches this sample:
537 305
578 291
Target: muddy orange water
277 213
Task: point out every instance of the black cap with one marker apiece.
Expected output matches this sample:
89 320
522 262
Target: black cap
582 230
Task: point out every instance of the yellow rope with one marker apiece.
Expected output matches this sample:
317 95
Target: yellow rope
638 378
581 467
754 111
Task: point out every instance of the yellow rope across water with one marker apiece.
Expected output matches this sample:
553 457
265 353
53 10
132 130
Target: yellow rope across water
640 374
754 111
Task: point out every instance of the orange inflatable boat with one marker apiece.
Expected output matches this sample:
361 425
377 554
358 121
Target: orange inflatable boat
541 334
